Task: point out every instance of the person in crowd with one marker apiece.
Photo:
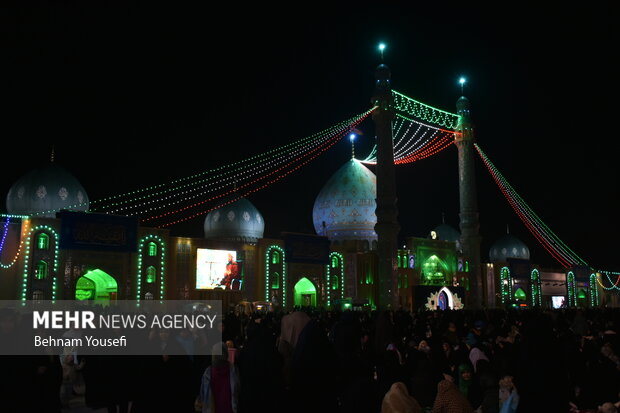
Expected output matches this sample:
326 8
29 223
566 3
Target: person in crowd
398 400
219 390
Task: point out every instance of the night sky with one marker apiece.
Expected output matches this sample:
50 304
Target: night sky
132 95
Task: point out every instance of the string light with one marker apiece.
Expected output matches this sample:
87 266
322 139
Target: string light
570 283
6 230
593 290
317 151
268 268
253 164
340 259
506 284
536 288
537 227
415 144
19 248
27 257
162 264
423 111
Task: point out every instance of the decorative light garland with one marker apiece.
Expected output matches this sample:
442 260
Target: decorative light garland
340 258
162 264
226 178
21 244
614 285
570 283
268 268
4 233
537 227
423 111
506 284
536 288
407 150
594 301
27 257
249 191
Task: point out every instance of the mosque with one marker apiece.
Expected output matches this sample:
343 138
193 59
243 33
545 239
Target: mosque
53 250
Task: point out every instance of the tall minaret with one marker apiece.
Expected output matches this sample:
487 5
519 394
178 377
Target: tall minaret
470 226
387 225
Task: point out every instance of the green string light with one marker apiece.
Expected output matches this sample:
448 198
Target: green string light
268 268
506 284
570 282
162 263
423 111
24 286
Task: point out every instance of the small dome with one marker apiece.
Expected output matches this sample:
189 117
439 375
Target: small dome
237 221
345 207
45 191
508 246
445 232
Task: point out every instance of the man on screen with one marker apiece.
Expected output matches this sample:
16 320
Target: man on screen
231 273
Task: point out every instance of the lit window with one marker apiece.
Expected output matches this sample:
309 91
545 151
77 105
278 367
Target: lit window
151 274
41 272
335 282
38 295
43 241
335 263
152 249
275 257
275 281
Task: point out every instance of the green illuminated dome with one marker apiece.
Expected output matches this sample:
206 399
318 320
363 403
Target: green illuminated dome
45 191
238 221
345 207
508 246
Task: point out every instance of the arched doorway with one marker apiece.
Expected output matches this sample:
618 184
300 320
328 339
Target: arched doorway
442 300
96 285
305 293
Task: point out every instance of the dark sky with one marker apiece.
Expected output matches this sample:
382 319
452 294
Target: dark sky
135 94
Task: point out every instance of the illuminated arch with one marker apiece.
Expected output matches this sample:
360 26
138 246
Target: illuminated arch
304 287
505 284
95 285
54 237
434 269
593 290
570 286
336 271
268 263
536 288
151 238
520 294
449 295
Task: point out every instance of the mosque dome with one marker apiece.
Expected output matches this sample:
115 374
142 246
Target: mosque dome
237 221
508 246
345 207
45 191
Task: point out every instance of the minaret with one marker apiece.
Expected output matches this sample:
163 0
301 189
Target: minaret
470 226
387 225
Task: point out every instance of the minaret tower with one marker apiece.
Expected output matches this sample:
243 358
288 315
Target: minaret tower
387 225
470 225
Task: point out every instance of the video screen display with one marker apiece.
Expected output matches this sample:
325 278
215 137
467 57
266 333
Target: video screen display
217 269
557 301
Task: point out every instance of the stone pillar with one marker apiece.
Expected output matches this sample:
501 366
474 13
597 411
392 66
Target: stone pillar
387 225
470 225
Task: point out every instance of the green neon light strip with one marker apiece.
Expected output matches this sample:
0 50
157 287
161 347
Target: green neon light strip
162 264
328 273
268 269
423 111
27 258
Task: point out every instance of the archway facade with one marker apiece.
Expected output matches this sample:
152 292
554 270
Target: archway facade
305 293
96 285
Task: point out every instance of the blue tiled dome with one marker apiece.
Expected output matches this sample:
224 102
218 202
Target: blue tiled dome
508 246
45 191
345 207
237 221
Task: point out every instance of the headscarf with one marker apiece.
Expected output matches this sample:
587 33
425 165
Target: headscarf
450 400
476 354
464 384
292 324
398 400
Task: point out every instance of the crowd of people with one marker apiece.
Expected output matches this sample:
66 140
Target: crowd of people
314 360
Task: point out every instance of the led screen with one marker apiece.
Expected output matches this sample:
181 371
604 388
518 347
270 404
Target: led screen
217 269
557 301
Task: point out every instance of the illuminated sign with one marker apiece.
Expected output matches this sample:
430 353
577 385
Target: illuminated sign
217 269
